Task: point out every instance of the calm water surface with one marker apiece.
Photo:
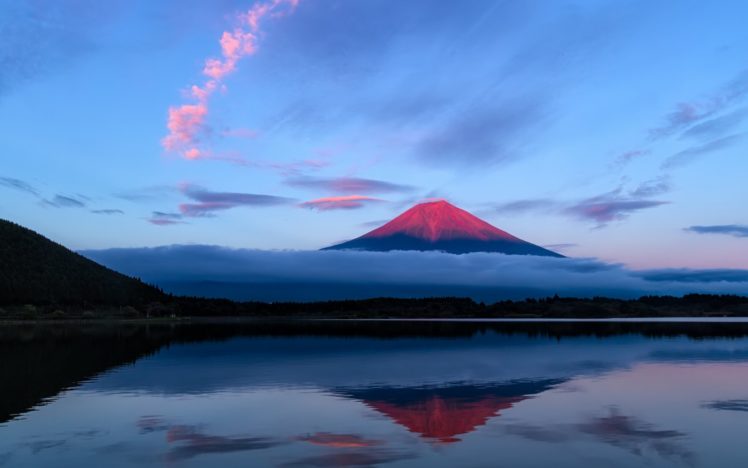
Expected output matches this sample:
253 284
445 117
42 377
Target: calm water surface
394 394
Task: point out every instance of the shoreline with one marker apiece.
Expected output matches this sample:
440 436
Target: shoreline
227 320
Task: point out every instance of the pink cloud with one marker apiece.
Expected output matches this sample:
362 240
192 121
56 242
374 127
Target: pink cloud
202 93
193 153
186 123
346 202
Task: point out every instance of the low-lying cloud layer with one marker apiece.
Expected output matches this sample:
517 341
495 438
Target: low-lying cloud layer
318 275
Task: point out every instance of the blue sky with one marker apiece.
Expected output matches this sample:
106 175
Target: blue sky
608 129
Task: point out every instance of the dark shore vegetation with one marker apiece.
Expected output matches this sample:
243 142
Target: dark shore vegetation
174 307
35 270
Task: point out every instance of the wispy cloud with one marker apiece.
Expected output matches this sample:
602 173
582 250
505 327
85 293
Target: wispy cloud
404 109
108 211
18 184
147 194
247 133
297 167
652 187
735 230
708 117
717 126
58 201
187 123
289 169
348 185
64 201
160 218
628 156
523 206
616 205
687 114
210 202
684 115
40 39
606 208
205 203
482 135
686 156
344 202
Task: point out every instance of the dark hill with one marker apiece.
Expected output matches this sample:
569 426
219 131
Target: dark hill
35 270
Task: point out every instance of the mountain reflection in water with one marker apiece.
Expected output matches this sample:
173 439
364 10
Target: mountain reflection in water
374 393
443 413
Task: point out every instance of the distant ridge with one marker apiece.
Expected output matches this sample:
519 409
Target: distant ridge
35 270
441 226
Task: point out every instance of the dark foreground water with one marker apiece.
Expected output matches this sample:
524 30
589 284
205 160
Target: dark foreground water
332 394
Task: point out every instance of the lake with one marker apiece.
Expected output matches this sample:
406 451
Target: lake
374 393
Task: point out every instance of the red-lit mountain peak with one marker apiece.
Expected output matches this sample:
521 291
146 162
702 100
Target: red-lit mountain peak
440 220
441 226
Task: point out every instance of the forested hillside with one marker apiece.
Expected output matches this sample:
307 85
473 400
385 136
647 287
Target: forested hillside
35 270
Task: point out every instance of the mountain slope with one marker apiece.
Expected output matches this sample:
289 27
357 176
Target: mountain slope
442 226
35 270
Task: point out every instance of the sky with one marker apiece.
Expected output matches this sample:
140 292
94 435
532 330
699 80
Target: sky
607 130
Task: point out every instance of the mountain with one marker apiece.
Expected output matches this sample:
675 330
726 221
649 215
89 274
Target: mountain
439 225
35 270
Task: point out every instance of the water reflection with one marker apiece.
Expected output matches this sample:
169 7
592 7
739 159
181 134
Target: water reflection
637 436
190 442
355 458
728 405
332 394
443 413
327 439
